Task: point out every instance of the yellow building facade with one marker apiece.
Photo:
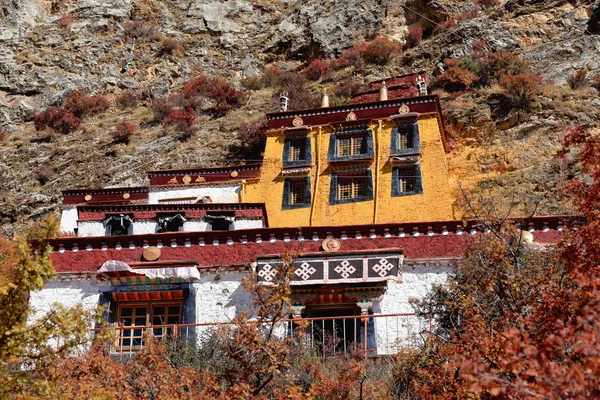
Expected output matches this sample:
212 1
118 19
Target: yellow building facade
368 163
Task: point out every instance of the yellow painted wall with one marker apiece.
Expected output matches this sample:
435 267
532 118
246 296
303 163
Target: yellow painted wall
434 204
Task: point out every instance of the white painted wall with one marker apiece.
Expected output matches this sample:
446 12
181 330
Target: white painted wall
68 294
248 223
68 219
218 194
91 228
416 283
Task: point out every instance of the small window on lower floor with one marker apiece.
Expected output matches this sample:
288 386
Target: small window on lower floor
351 187
296 193
159 317
406 180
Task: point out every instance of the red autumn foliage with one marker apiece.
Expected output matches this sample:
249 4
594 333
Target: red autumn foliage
57 118
488 3
414 36
2 135
184 122
43 174
493 65
295 86
444 26
316 70
252 139
162 107
380 51
124 131
467 15
596 81
525 86
350 58
519 321
83 105
456 79
217 89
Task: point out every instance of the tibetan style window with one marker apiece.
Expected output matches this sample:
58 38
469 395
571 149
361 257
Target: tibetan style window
351 186
137 315
406 180
405 138
351 144
117 225
170 223
296 193
297 151
219 222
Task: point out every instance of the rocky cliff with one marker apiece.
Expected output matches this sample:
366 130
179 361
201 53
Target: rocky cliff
49 48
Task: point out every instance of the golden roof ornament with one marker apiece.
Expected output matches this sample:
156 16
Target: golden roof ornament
351 116
403 109
297 122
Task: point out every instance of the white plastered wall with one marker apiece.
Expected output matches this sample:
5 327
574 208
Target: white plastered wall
68 219
416 283
218 194
247 223
66 293
91 228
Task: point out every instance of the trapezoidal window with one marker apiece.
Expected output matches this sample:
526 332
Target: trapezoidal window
350 187
406 180
351 144
296 193
219 222
405 138
117 225
170 223
297 151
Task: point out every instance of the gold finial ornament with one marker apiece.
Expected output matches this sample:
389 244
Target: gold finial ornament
200 179
403 109
186 179
297 122
234 174
383 92
351 116
87 197
126 196
331 244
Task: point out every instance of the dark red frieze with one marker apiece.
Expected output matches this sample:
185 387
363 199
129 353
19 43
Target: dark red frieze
440 239
152 211
109 195
175 177
373 110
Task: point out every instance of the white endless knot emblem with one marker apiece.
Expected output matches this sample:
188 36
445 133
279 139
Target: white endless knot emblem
305 271
267 272
345 269
383 267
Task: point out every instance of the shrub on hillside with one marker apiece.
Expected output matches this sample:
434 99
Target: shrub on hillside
65 20
251 139
82 105
252 83
455 79
350 58
128 99
525 86
316 70
577 79
218 89
342 93
124 131
414 36
488 3
184 123
444 26
270 75
57 118
2 135
43 174
467 15
295 86
596 81
492 65
139 29
161 108
380 51
171 47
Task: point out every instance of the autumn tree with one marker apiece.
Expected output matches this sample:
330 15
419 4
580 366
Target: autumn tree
27 341
517 321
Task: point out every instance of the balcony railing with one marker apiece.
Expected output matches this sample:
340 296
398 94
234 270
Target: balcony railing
379 334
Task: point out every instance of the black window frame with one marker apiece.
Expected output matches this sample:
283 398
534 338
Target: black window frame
413 129
287 194
335 177
396 180
368 153
171 218
307 160
108 224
